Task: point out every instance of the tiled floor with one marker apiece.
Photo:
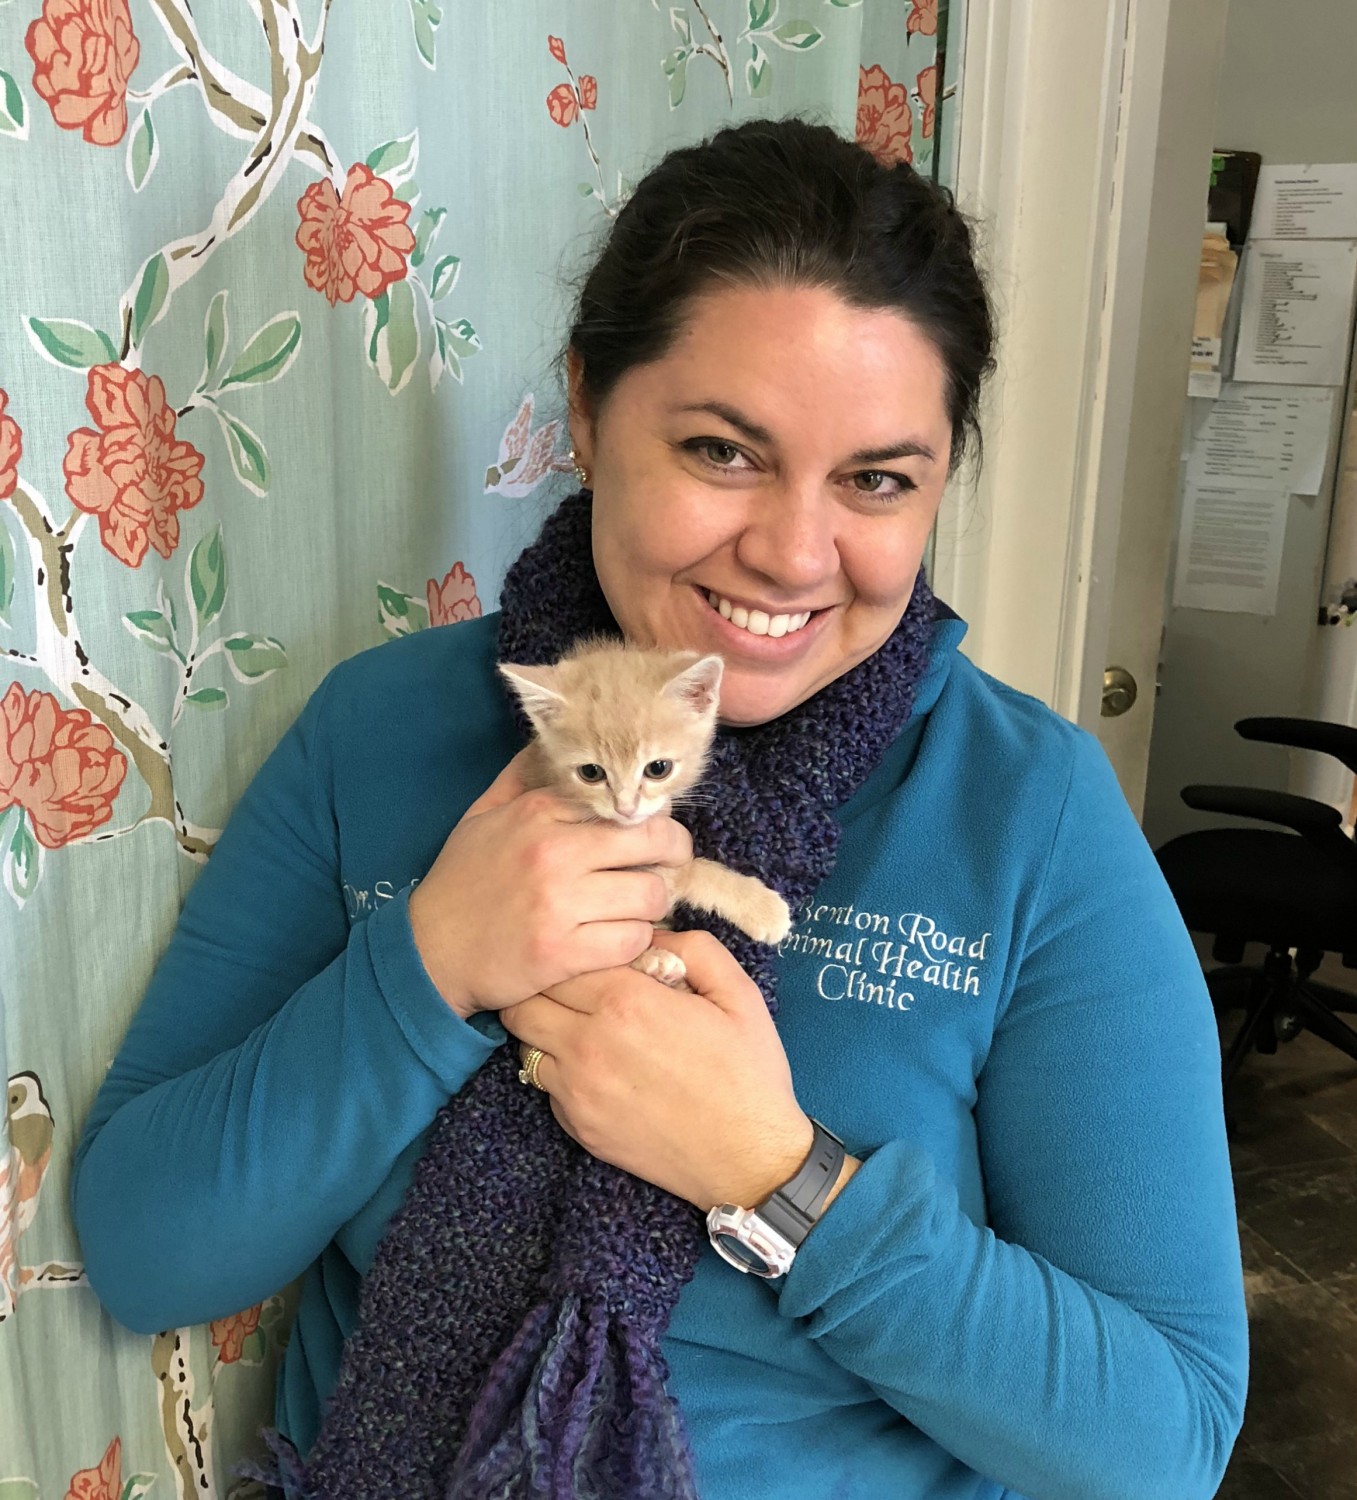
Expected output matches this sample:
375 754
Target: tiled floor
1295 1166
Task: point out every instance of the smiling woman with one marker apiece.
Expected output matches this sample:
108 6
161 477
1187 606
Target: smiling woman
963 1123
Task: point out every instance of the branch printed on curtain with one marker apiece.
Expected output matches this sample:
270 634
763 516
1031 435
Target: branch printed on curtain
566 103
766 28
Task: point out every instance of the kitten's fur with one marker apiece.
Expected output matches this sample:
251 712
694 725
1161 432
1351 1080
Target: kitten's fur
621 708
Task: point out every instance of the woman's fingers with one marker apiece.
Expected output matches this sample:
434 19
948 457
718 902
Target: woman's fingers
620 895
657 841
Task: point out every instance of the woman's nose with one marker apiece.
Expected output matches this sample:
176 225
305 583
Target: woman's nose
790 540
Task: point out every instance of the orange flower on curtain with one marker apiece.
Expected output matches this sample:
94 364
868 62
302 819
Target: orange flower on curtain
923 18
884 119
454 599
59 765
357 241
103 1483
229 1334
132 472
928 96
84 52
11 450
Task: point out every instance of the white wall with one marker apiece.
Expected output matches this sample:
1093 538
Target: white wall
1288 89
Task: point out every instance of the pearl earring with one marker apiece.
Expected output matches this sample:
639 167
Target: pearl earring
580 472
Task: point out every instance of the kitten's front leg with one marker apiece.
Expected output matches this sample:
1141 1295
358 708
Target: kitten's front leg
753 907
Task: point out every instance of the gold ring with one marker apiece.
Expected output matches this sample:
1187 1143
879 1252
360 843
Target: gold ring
528 1072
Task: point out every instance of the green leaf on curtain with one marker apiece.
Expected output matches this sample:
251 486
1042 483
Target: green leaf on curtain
249 458
393 334
251 657
675 68
463 337
166 607
845 4
797 36
8 567
216 336
137 1486
399 613
761 13
395 161
150 298
268 354
429 225
205 578
18 1489
425 16
23 863
585 189
213 698
152 629
678 19
143 151
757 74
253 1348
66 342
13 121
444 277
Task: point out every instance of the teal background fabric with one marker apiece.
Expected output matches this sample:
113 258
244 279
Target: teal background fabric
282 286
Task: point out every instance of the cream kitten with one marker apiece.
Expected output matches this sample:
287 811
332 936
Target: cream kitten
623 732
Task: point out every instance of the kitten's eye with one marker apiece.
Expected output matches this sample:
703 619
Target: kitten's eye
591 773
657 770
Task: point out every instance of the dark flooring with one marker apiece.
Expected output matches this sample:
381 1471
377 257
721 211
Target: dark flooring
1294 1150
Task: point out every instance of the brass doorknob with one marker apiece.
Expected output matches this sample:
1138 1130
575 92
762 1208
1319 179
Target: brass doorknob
1119 692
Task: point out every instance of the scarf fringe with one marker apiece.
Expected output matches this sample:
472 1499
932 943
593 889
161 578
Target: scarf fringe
285 1470
575 1409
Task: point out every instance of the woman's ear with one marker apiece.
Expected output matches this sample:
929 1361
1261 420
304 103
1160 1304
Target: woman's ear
580 421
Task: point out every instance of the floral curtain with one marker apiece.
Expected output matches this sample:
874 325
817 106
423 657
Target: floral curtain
283 281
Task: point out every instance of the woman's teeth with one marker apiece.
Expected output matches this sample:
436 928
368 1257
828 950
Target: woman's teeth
755 621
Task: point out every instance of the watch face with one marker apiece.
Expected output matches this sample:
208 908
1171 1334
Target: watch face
739 1253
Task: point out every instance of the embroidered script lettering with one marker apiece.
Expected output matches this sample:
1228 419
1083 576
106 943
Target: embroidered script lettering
872 956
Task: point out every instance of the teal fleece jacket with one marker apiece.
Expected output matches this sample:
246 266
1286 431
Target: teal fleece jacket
1030 1289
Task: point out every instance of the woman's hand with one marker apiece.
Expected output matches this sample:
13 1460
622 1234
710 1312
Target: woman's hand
692 1092
525 894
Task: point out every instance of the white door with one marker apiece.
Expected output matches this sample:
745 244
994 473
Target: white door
1085 139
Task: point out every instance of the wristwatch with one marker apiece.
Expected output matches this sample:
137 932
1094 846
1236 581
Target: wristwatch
764 1240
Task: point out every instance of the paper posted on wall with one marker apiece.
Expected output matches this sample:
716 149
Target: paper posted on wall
1262 437
1230 548
1314 201
1296 311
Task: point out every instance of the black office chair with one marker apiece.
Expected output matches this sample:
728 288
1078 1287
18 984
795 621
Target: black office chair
1296 892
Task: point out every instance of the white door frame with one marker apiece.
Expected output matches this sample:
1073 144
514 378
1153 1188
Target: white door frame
1059 134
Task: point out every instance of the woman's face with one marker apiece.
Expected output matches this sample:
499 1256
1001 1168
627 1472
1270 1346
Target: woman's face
766 489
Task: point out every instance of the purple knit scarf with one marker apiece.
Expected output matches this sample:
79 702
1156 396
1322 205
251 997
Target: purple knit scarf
508 1339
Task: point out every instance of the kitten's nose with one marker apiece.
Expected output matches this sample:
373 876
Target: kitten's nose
626 809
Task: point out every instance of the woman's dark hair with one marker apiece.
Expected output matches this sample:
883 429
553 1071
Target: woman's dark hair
774 203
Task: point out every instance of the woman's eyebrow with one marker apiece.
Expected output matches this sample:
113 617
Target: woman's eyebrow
908 448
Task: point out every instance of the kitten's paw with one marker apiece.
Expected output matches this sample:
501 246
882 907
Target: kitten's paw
663 965
768 917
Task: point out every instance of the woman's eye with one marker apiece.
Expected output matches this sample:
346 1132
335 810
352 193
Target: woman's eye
591 773
905 484
657 770
703 446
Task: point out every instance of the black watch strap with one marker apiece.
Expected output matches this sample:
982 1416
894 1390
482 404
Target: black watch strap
795 1206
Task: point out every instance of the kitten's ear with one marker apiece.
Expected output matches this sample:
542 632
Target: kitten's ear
541 702
699 686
